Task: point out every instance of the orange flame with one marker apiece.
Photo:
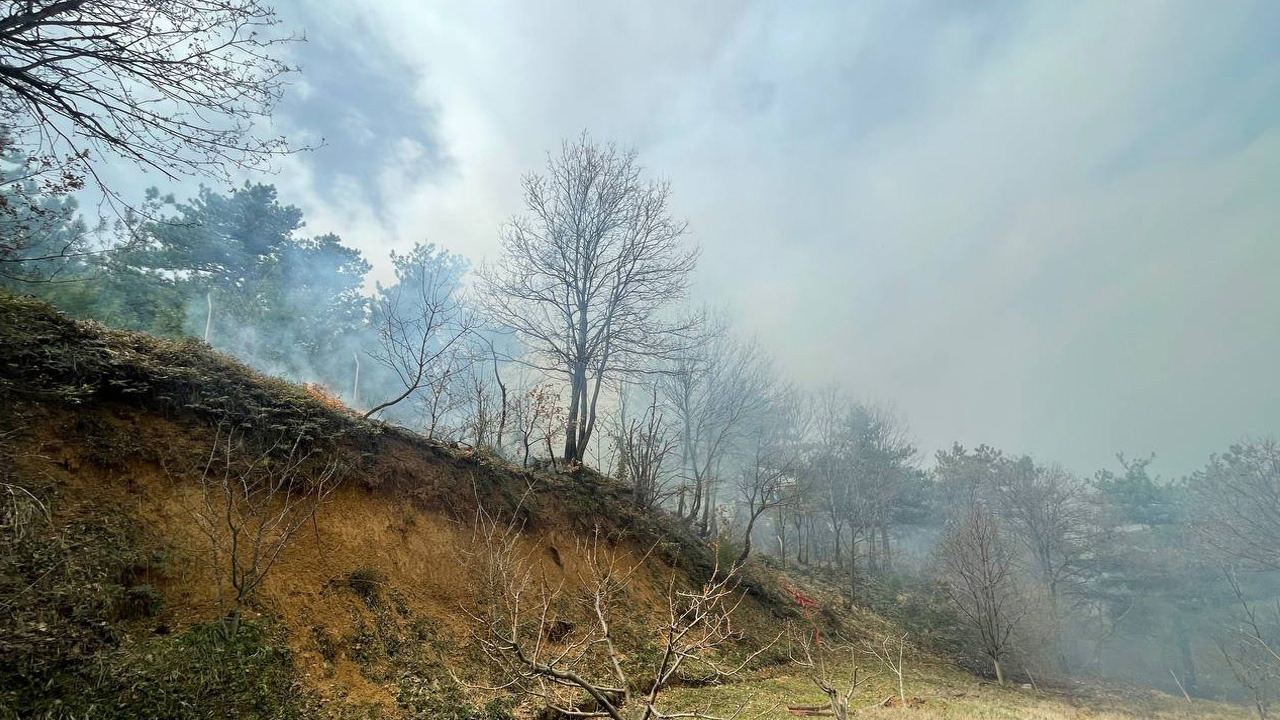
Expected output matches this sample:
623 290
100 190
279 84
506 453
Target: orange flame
324 395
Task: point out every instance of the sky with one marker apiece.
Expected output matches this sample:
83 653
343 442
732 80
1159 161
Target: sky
1048 227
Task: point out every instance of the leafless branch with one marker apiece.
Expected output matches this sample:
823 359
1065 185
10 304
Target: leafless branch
557 646
250 504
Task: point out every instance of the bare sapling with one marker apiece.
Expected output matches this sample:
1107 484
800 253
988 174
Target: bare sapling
536 418
646 445
890 651
552 642
1252 657
832 665
419 322
250 503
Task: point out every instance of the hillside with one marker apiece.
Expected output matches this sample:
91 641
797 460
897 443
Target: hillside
111 607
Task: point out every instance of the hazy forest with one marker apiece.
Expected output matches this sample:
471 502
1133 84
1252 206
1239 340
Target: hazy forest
274 445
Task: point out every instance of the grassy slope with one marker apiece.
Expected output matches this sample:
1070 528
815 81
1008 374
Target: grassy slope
110 598
943 691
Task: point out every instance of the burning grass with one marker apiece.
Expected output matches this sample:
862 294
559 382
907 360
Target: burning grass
325 397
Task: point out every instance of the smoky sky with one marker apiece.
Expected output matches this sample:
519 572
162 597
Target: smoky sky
1049 227
348 102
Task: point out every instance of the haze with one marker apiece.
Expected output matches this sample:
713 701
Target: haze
482 360
1046 227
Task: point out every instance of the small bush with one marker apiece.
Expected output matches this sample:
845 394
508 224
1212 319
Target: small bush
70 647
139 601
367 582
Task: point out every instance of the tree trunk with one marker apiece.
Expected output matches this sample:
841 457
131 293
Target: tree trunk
884 544
208 321
808 541
853 579
502 417
589 414
355 386
231 624
999 671
782 537
798 521
578 385
705 527
577 381
695 503
686 462
839 532
746 540
1184 650
1055 617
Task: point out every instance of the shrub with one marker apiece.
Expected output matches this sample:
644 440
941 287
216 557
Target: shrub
73 648
367 582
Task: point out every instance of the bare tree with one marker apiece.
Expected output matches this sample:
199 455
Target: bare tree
249 506
419 321
890 650
1251 649
1048 510
645 445
769 478
585 274
886 460
1238 504
571 663
536 412
832 667
438 398
857 466
716 388
830 465
550 424
980 580
504 398
486 408
177 86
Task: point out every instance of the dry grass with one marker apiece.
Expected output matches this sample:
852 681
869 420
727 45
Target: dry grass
946 693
